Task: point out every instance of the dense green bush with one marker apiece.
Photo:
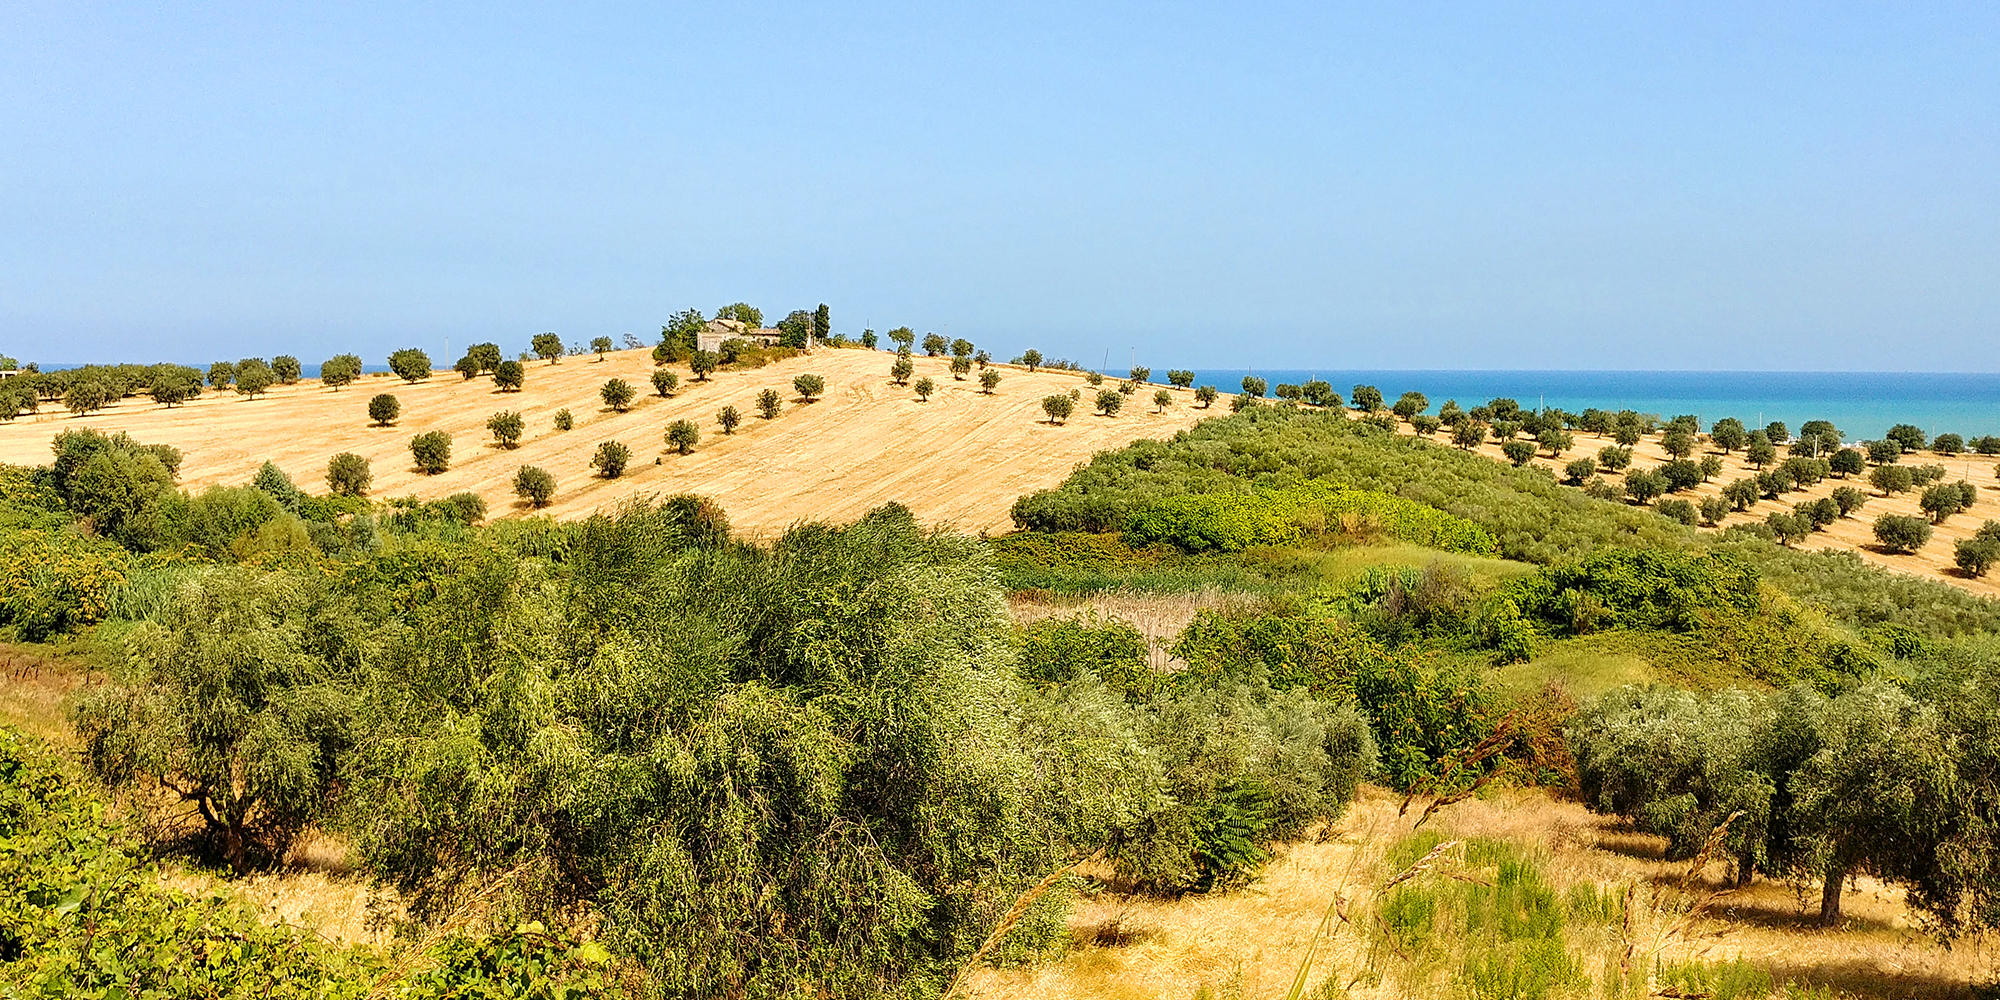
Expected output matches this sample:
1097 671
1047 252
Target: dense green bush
1232 522
1058 650
431 451
1528 513
695 739
234 699
83 915
1244 766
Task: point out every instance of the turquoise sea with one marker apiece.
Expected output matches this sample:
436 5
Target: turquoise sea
1861 404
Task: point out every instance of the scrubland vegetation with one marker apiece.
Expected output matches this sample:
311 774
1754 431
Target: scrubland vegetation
630 755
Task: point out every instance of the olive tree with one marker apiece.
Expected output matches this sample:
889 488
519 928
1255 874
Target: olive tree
506 427
238 699
1741 494
347 475
221 374
1713 510
87 396
1205 396
384 409
729 418
701 363
564 419
1942 501
665 382
611 459
769 403
286 368
682 435
1058 407
1254 387
410 364
1366 398
1901 533
1891 479
1161 400
1760 452
1975 556
1678 510
989 380
535 485
960 367
935 345
340 370
1410 404
170 389
1032 358
1884 452
254 377
1677 442
924 388
1556 440
809 386
1847 462
600 346
1109 401
1614 458
432 451
547 346
1180 378
1518 452
1579 470
510 375
1909 436
1140 375
962 348
1728 434
1468 434
1643 485
617 394
901 370
1848 499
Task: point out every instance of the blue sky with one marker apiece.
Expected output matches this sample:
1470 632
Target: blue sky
1774 186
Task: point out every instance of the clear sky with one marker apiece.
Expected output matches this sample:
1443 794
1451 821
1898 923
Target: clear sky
1459 185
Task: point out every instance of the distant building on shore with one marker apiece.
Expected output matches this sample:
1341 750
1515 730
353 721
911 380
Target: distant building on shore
718 330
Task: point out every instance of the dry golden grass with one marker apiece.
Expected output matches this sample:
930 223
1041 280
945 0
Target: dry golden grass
1249 943
1159 617
959 459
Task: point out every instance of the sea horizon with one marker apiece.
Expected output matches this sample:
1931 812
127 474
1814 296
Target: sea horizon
1862 404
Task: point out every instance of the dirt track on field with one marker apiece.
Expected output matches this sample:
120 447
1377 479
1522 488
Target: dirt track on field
959 459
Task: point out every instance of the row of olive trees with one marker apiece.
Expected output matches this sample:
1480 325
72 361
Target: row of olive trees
1884 780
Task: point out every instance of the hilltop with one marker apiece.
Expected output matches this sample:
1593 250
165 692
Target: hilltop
960 459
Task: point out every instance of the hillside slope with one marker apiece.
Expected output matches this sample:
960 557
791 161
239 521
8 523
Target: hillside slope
959 459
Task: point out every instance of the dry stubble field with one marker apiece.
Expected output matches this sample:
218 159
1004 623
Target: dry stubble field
959 459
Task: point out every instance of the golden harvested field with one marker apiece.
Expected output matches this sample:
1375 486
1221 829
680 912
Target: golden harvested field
959 459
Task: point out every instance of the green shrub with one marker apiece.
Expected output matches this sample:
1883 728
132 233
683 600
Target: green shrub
611 459
1528 514
535 485
1900 533
82 914
347 474
432 451
384 409
1232 522
1062 649
54 582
